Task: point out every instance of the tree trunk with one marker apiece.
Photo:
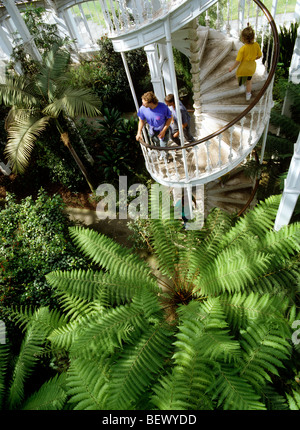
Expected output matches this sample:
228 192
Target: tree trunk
65 138
74 127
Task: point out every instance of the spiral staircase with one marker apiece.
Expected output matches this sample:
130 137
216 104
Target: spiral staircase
227 128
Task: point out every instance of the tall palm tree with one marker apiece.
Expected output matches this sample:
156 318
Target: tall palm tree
38 101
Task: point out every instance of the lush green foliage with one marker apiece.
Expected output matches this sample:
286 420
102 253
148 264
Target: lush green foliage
34 241
114 147
45 36
213 331
281 139
106 76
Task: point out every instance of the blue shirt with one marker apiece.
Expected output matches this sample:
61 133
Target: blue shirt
184 114
156 118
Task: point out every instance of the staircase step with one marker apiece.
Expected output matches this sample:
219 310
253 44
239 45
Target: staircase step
229 92
215 52
224 108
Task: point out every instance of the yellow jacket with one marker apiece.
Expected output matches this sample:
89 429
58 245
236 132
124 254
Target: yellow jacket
247 55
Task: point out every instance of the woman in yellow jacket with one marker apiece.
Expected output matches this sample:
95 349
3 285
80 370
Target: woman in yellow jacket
245 60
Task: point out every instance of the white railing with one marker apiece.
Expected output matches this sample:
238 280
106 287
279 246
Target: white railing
221 151
213 156
121 16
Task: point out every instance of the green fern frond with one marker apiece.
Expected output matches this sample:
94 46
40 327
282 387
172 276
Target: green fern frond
110 255
254 223
203 331
293 400
232 271
185 388
137 366
50 396
87 384
243 308
77 290
273 400
4 360
108 332
265 347
199 256
31 348
233 392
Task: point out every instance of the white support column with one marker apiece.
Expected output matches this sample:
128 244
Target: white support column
294 72
132 90
291 190
28 40
155 71
6 45
165 69
176 98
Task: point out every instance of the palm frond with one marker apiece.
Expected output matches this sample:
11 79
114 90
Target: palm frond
22 134
73 103
53 68
17 91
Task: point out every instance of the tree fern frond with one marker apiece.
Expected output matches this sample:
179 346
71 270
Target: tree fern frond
283 243
31 347
110 255
87 384
233 392
185 387
78 290
4 360
204 332
293 400
50 396
136 367
107 333
265 347
231 271
273 400
254 223
243 308
198 257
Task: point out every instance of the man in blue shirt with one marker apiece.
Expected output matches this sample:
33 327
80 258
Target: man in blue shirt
158 117
185 118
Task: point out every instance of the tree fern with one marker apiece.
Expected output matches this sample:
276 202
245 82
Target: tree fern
216 336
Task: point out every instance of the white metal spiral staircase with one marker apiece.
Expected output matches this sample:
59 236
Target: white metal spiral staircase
227 128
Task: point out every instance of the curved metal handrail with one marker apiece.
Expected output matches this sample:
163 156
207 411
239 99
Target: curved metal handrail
251 105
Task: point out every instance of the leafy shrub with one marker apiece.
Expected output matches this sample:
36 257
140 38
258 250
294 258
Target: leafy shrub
106 76
34 240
